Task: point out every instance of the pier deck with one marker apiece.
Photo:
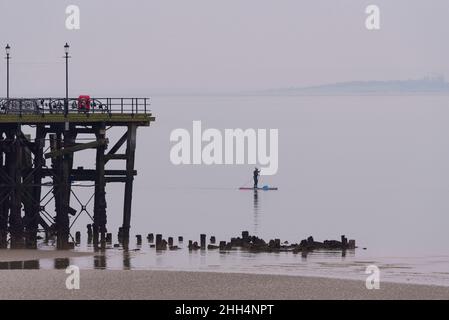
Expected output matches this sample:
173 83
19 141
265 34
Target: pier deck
79 119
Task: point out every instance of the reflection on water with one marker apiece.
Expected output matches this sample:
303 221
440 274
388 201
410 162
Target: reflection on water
31 264
100 261
256 212
99 257
20 265
126 260
61 263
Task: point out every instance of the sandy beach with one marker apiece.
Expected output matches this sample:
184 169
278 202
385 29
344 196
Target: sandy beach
107 284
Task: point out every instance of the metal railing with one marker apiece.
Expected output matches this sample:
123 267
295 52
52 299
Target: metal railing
22 106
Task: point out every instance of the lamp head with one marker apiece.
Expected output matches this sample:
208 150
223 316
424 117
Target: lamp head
66 48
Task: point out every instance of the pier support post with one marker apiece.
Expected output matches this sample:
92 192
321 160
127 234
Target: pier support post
39 143
61 189
130 155
30 231
3 195
100 218
14 160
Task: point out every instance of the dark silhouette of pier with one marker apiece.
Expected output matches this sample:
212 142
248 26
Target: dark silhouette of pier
45 158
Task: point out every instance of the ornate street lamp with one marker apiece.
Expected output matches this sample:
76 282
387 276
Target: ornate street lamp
66 104
7 50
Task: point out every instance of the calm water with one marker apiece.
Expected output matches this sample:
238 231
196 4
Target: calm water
375 168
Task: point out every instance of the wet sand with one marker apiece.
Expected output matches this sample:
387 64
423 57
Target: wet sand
135 284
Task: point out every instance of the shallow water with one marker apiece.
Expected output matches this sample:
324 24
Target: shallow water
431 270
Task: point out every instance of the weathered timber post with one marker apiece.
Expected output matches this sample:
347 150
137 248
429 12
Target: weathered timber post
89 233
100 218
130 156
39 162
78 237
27 192
14 160
203 241
61 190
158 241
3 195
344 242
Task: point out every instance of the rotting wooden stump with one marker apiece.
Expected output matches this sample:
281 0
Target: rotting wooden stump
158 240
203 241
78 237
256 244
161 244
193 245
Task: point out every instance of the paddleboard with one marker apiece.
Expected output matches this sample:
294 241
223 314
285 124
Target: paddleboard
263 188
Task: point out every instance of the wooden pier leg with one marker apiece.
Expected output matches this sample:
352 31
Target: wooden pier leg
39 144
130 155
3 196
61 189
100 217
69 141
66 187
55 177
27 196
13 163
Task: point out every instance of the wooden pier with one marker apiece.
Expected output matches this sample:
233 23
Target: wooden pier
29 162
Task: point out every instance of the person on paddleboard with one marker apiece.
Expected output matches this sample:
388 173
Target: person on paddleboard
256 177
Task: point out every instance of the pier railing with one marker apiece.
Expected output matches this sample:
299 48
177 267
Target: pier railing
43 106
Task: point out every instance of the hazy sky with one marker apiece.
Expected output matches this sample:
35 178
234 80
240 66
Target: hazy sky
146 47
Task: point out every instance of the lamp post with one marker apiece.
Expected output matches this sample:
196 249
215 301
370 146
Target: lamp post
66 104
7 50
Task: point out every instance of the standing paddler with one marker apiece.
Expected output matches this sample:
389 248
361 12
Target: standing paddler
256 174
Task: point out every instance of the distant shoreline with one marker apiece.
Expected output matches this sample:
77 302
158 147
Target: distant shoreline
292 94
